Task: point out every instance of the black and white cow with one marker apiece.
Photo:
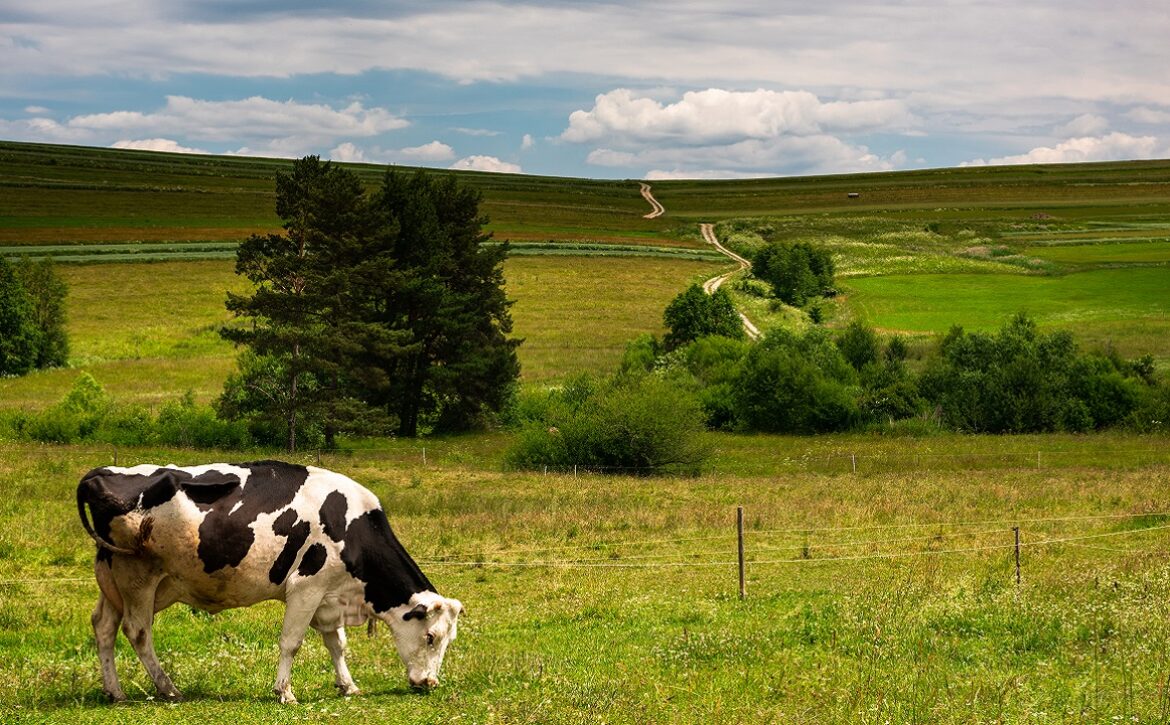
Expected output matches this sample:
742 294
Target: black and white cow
231 535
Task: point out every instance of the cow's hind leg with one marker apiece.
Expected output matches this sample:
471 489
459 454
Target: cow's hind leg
106 618
137 624
335 643
298 613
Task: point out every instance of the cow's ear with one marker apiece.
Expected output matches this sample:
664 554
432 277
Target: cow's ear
419 612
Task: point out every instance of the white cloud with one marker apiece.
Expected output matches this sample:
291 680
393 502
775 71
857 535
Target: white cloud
433 151
715 114
254 117
527 142
486 163
1151 116
788 155
347 152
157 144
1088 124
1113 147
36 110
476 131
717 133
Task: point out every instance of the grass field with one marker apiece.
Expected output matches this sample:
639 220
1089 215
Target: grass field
885 597
147 332
881 571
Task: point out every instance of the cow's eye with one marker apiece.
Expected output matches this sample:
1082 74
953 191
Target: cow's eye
430 639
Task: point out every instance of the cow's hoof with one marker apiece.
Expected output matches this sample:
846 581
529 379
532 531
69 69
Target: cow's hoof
117 696
348 690
287 697
174 696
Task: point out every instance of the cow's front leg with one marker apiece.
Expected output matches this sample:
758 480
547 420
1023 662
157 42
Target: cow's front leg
335 643
298 612
138 623
106 619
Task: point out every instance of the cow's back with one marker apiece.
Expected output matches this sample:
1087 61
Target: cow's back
228 535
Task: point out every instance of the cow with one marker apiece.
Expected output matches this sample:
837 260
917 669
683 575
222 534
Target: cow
221 536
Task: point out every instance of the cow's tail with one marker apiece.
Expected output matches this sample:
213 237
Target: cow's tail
82 500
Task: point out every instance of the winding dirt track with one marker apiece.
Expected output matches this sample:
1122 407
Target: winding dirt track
656 209
709 235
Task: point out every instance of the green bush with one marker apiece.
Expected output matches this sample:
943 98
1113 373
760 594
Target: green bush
798 272
183 423
694 314
796 384
642 425
1021 380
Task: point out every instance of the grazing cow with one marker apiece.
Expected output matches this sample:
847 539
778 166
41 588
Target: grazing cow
231 535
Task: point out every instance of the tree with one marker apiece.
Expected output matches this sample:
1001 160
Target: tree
694 314
46 292
302 296
797 272
372 307
19 335
446 299
859 344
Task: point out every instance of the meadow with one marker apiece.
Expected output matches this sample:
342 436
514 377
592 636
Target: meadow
881 568
872 597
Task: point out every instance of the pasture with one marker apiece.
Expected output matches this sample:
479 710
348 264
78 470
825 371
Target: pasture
872 597
881 570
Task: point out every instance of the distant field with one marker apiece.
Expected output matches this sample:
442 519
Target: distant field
1105 252
1128 308
147 331
62 194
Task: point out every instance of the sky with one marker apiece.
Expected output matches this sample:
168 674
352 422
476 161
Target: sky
636 89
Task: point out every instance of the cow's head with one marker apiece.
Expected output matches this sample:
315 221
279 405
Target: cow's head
423 627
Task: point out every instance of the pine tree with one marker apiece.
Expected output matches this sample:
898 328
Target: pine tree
20 338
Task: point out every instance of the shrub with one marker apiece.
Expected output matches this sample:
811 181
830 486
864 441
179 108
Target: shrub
641 425
1020 380
797 272
796 384
694 314
183 423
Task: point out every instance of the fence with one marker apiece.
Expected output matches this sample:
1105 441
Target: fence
746 463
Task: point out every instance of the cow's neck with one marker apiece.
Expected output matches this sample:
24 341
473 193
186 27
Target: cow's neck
374 556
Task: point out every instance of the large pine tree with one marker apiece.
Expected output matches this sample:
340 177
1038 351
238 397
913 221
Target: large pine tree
386 302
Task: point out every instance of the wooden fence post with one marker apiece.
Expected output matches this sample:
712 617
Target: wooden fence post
739 533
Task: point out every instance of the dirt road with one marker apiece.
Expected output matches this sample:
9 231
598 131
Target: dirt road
709 235
656 208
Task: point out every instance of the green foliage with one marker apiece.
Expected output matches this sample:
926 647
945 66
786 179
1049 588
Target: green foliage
390 301
694 314
183 423
859 344
20 338
798 272
796 384
638 425
1022 380
46 292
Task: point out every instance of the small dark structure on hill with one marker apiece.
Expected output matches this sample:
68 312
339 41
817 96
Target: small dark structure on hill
854 195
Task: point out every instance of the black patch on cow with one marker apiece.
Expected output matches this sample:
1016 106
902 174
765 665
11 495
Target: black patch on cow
374 555
225 536
112 493
209 487
296 533
333 515
313 560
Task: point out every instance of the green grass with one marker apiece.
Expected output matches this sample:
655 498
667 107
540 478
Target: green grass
1108 251
147 332
1127 308
896 631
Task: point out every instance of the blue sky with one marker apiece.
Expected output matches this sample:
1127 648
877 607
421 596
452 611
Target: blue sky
609 90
